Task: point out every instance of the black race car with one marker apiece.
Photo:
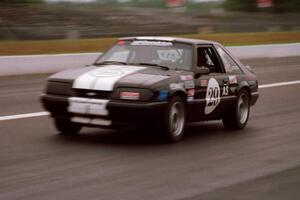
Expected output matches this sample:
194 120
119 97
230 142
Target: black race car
159 82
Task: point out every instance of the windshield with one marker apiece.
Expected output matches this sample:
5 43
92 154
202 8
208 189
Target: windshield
156 53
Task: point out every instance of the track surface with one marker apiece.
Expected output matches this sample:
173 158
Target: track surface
259 162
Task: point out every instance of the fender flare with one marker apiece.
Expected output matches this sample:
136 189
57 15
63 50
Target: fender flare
244 84
178 92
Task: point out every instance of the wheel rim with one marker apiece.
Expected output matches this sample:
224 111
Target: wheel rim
176 119
243 108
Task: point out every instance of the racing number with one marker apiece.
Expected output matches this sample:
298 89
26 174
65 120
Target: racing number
225 90
212 96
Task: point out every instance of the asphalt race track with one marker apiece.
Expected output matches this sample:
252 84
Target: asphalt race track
259 162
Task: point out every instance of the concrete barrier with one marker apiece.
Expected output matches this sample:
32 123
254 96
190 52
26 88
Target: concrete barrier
38 64
266 51
42 64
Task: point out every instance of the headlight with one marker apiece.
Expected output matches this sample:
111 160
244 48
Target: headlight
130 95
135 94
59 88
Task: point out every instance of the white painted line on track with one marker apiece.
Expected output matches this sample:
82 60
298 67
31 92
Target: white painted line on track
39 114
22 116
279 84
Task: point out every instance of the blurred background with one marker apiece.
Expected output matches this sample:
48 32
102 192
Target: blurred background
90 19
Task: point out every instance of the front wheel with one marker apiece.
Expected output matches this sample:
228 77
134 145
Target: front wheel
66 127
238 116
174 120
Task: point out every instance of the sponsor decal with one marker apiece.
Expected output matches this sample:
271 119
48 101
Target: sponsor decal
163 95
91 94
167 39
186 77
176 86
104 78
232 79
190 99
189 84
151 43
97 121
191 92
212 96
130 95
171 55
225 90
203 83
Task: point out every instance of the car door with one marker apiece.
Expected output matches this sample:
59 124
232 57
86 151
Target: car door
234 73
211 90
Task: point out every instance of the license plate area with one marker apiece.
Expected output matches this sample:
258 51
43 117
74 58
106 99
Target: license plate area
88 106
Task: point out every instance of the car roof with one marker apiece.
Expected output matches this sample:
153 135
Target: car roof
171 39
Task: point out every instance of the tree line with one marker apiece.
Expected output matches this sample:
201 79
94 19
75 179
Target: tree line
231 5
251 5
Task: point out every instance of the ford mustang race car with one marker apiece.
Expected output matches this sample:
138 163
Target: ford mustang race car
159 82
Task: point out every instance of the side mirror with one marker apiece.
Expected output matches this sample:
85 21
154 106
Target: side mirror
201 71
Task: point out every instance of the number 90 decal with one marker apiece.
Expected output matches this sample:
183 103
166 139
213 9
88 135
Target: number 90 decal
212 96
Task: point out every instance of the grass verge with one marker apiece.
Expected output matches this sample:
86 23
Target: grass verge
101 44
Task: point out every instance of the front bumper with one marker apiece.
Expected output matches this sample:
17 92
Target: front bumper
120 112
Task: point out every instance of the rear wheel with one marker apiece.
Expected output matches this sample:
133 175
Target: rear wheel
174 120
67 127
238 116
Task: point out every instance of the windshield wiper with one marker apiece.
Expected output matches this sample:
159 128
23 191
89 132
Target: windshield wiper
107 62
151 64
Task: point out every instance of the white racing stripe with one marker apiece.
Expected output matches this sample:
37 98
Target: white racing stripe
38 114
104 78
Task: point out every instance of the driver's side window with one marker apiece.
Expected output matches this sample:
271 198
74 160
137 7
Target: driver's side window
207 58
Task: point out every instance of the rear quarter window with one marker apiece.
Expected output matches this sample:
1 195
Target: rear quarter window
229 64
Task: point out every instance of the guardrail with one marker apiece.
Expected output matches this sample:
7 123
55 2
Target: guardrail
39 64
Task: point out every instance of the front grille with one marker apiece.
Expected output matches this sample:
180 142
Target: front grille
98 94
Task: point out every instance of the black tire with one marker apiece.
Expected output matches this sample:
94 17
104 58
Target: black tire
174 120
66 127
237 117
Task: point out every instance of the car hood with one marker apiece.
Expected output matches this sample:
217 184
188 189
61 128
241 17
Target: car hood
109 77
